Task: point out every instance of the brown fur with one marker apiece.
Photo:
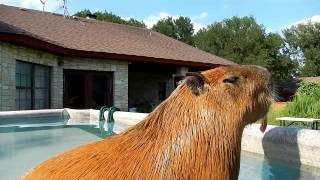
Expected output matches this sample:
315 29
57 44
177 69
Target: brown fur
188 136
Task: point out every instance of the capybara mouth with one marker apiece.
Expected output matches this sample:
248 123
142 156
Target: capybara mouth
264 124
264 119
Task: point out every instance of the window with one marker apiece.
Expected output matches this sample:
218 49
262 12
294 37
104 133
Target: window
23 86
32 86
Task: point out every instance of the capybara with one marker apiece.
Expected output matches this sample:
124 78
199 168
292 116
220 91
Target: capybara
194 134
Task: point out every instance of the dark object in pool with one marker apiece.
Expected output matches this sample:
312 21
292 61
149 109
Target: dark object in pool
194 134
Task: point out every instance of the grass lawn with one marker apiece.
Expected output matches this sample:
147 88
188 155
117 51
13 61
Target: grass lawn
283 112
272 115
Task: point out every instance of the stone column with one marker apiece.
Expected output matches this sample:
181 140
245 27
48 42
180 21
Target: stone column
120 87
180 73
57 87
7 77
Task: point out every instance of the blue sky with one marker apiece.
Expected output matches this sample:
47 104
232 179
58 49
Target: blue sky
273 14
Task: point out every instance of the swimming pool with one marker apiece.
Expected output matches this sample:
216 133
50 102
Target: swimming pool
24 145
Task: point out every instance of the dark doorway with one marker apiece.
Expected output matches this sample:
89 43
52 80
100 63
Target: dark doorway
87 89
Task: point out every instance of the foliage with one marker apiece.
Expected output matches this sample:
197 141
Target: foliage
184 29
309 89
180 29
304 39
166 26
304 107
244 41
235 39
307 101
306 104
109 17
273 114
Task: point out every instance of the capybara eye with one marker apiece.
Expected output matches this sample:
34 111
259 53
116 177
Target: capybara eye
231 79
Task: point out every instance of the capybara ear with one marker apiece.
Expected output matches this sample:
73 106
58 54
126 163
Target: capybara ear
195 82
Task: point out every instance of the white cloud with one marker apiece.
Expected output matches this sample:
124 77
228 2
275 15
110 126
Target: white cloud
269 30
50 5
203 15
312 20
195 19
126 18
153 19
226 6
198 26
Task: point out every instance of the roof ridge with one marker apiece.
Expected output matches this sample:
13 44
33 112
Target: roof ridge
108 22
72 17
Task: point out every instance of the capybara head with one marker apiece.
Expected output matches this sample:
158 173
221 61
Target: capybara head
243 91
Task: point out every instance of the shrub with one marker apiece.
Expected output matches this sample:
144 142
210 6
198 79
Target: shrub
309 89
306 104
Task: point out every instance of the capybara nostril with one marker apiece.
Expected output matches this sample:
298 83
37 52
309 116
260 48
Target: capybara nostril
194 134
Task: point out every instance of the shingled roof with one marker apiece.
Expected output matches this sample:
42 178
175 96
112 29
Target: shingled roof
90 38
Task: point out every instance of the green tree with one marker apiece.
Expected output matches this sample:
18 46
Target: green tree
184 29
303 44
180 29
166 26
244 41
109 17
279 63
82 13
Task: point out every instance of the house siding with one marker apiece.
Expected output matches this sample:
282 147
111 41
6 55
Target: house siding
10 53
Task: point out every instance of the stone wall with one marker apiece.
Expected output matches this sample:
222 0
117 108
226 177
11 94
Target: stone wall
9 53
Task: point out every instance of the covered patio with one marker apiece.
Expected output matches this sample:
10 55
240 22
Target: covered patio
150 84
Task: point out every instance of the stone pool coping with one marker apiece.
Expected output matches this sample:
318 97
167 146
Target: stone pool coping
293 145
32 113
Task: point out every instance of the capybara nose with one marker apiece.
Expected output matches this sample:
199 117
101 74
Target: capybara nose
260 70
263 74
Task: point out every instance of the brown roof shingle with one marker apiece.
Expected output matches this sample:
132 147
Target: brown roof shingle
99 37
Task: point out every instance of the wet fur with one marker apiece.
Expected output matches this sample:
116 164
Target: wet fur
188 136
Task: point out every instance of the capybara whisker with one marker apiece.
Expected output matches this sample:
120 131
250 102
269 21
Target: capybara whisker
194 134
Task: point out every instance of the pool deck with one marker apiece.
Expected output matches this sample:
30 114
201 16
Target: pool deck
293 145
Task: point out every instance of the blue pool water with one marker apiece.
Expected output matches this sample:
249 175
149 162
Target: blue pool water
22 146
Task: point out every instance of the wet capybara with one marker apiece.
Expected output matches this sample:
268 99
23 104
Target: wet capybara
194 134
